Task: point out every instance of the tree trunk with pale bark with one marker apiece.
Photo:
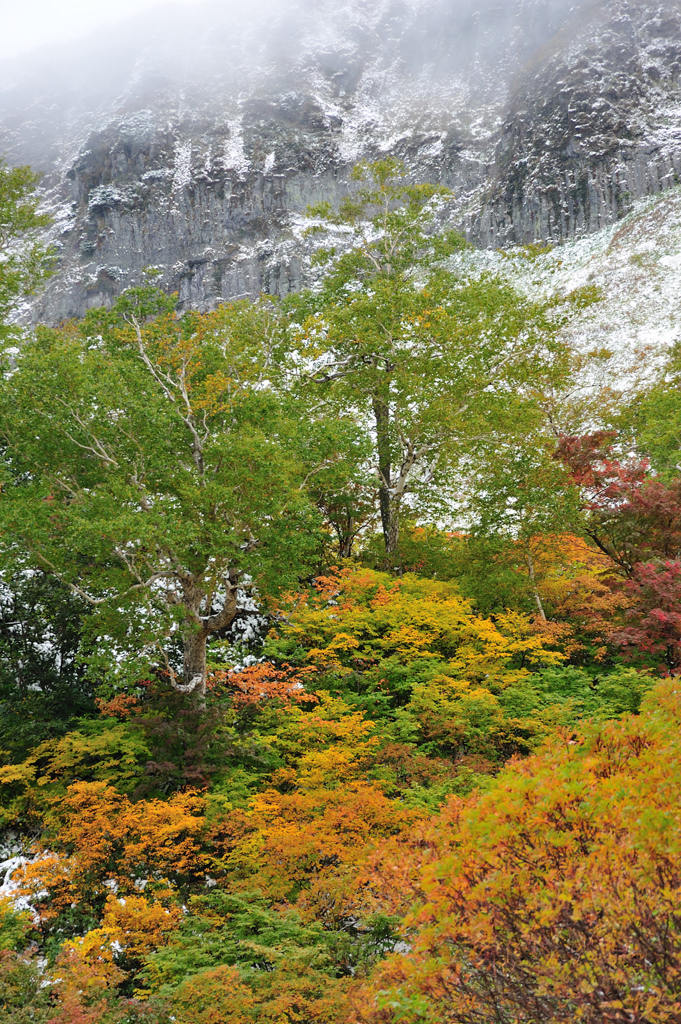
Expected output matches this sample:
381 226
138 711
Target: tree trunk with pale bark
198 629
389 506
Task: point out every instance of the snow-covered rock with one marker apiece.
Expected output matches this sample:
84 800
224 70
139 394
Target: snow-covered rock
191 141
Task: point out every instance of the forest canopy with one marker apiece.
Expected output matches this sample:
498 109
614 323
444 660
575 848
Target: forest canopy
339 641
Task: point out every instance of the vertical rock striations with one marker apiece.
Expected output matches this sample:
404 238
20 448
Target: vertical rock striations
189 146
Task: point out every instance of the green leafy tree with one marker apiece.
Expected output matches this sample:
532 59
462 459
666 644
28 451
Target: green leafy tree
338 452
42 686
523 496
149 466
651 421
24 256
432 365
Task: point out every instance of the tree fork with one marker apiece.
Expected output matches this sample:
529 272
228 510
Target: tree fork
196 635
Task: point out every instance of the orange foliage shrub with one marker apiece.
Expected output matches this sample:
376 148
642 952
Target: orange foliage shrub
101 836
579 583
557 895
84 988
121 706
312 841
263 681
131 927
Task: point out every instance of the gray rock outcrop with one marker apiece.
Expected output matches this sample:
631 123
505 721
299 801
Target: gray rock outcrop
188 144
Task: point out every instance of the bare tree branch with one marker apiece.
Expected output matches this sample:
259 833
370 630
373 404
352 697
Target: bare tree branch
73 587
169 386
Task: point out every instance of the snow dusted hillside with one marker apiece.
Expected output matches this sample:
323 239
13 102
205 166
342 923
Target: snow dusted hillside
636 266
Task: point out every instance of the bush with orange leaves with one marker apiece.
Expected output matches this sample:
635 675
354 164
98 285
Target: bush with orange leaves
580 587
123 865
307 845
99 841
85 990
555 897
255 684
306 834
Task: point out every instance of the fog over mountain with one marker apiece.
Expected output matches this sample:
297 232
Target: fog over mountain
190 139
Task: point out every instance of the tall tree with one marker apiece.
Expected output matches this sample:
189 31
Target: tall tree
432 364
148 467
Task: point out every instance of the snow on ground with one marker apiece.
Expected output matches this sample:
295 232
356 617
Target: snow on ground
8 887
636 266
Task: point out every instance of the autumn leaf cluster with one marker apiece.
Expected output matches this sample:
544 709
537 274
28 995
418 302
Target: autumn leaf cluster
340 640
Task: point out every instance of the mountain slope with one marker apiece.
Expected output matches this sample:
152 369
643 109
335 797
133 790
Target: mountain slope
632 265
191 140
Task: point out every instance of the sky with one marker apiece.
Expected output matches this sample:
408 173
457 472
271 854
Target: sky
28 24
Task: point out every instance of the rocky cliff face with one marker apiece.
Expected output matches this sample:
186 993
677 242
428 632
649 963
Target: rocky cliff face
190 141
593 122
